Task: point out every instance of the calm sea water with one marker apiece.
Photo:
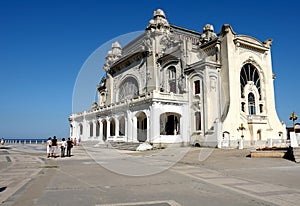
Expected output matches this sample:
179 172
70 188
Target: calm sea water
25 141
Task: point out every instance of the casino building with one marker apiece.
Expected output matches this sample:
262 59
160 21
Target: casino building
175 85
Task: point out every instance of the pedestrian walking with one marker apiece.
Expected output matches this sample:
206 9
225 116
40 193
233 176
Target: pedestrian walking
69 147
48 146
54 147
63 147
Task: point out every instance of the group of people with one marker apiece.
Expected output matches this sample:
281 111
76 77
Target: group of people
52 145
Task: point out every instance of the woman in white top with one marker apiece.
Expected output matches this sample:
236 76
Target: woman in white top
49 145
63 147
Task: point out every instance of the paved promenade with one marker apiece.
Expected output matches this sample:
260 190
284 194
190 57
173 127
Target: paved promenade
103 176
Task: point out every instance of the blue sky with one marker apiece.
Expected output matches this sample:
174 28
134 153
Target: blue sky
43 45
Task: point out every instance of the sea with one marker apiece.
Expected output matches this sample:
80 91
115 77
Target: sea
25 141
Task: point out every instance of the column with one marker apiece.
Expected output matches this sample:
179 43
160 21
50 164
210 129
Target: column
101 129
129 127
126 130
94 129
85 132
148 127
155 127
116 128
108 128
134 129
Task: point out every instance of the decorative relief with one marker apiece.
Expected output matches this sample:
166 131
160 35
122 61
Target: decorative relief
147 42
128 89
213 83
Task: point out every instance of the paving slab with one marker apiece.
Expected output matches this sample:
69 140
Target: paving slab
204 176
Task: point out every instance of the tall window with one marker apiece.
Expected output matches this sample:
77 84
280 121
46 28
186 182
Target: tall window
91 129
81 129
197 86
121 126
97 129
249 74
250 83
198 120
112 127
172 79
251 103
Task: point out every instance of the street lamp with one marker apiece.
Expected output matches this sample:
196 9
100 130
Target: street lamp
241 128
293 117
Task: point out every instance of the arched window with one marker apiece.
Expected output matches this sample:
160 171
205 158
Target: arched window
128 89
81 129
170 123
112 127
251 103
104 131
141 125
249 74
91 129
97 129
122 126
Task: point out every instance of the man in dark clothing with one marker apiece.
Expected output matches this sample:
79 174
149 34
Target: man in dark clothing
69 146
54 146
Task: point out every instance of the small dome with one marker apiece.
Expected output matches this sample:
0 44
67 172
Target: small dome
208 27
116 45
159 12
151 21
109 53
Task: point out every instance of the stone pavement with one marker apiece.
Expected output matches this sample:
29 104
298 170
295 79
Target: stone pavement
97 176
17 168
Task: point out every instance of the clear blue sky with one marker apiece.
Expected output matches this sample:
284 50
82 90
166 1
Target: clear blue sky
44 43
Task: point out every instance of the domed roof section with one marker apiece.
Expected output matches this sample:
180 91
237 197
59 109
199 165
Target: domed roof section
160 13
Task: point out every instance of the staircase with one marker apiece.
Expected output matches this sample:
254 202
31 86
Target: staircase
296 154
131 146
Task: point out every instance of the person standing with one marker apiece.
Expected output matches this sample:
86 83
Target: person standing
69 147
63 147
75 141
48 146
54 147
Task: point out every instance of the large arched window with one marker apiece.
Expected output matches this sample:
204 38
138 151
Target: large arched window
128 89
170 123
249 74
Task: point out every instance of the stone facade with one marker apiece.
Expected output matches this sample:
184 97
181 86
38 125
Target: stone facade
174 85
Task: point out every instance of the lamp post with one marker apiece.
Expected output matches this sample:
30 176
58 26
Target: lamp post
241 128
293 117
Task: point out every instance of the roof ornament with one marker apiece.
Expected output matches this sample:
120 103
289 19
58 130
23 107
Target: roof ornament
112 55
159 22
208 33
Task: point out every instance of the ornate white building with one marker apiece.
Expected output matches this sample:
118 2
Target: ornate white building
175 85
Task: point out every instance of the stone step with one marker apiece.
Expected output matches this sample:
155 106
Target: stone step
296 154
125 145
